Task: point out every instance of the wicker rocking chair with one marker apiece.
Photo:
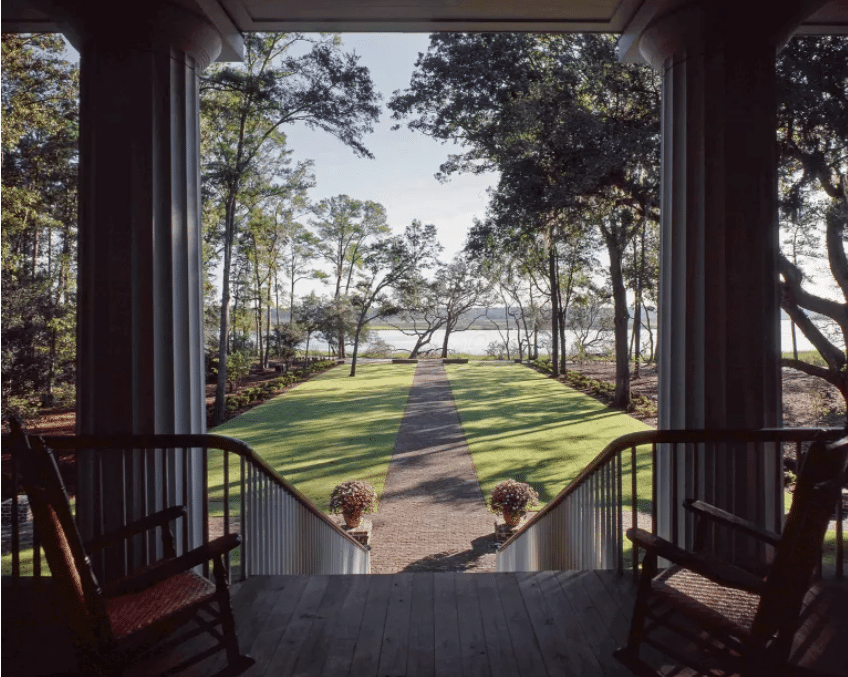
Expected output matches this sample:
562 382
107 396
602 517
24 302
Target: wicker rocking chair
117 623
743 623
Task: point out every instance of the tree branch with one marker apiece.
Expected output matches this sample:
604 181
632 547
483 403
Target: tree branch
815 370
834 357
795 295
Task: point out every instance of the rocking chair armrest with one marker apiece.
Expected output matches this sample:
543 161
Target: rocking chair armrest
710 567
715 514
164 569
157 519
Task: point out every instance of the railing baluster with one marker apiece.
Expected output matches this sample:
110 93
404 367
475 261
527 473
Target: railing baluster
654 489
16 525
675 510
634 501
619 513
186 522
244 519
840 540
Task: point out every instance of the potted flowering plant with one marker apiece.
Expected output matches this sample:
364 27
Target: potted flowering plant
512 499
352 499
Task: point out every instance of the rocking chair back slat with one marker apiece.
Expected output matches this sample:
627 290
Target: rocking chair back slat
799 549
63 548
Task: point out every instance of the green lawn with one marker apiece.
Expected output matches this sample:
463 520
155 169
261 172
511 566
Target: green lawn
523 425
327 430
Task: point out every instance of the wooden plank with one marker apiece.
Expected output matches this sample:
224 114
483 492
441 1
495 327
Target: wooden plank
495 627
366 656
525 644
345 630
393 655
560 637
313 653
622 589
448 658
823 635
472 637
421 647
263 640
293 633
581 592
255 606
567 629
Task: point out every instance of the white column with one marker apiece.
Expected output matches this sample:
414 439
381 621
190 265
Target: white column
140 322
719 362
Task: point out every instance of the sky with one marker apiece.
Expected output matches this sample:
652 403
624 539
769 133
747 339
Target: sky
401 177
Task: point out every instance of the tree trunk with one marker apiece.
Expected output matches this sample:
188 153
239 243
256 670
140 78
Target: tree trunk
554 308
622 365
268 327
637 306
219 408
794 340
355 355
448 329
651 357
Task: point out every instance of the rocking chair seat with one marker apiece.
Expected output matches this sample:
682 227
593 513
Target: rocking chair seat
137 611
727 609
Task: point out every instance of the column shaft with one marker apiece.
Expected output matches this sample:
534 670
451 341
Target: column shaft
140 329
719 362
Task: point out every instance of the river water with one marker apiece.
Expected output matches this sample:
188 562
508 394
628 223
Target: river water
476 341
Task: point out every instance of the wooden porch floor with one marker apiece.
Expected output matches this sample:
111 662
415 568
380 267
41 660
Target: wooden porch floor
409 624
436 624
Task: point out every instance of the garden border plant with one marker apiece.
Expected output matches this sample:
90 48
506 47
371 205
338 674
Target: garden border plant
239 402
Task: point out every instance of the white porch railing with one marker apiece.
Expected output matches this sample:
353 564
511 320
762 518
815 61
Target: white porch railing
282 531
583 526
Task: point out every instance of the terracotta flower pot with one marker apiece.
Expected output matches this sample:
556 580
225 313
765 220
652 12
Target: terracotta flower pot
353 519
512 518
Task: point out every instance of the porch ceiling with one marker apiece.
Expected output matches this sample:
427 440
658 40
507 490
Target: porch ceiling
614 16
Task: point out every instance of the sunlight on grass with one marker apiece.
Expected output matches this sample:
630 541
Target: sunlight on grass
26 563
520 424
327 430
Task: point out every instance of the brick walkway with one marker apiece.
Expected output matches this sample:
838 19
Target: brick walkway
432 515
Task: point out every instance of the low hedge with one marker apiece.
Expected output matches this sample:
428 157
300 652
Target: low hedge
265 391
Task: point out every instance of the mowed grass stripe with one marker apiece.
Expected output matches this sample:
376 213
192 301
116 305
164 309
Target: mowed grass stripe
523 425
327 430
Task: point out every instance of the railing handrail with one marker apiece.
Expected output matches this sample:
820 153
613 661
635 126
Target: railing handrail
207 440
688 436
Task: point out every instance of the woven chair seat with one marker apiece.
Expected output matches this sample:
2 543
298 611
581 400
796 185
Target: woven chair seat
136 611
729 609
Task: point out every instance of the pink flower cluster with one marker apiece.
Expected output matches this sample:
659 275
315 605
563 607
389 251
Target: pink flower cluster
513 496
352 495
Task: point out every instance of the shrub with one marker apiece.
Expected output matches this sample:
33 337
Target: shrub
543 364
